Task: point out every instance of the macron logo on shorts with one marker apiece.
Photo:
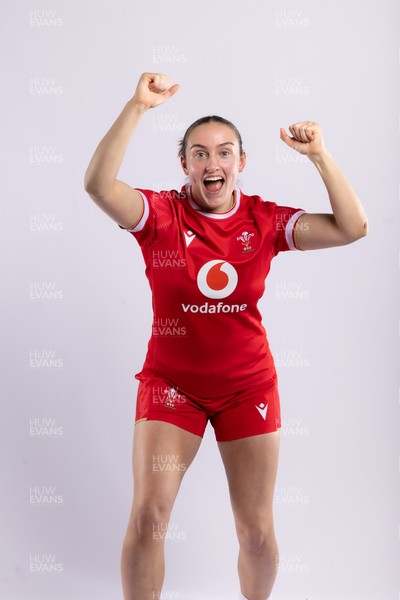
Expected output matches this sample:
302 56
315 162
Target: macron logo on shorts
262 409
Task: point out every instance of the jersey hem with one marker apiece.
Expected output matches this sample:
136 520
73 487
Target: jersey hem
267 384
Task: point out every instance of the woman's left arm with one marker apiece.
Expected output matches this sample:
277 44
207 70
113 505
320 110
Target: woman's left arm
348 221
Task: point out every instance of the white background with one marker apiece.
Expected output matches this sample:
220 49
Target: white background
262 65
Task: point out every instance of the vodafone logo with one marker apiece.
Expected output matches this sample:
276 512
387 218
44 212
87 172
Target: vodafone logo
217 279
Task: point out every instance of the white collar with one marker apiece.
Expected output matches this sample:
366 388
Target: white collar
212 215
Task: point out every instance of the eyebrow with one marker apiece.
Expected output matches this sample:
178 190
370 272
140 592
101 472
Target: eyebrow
202 146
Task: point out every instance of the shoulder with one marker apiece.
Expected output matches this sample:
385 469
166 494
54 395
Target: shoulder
163 202
258 204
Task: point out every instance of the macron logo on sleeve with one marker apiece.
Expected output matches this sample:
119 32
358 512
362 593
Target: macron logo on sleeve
189 237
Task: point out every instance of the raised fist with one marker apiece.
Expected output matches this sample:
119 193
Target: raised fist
154 89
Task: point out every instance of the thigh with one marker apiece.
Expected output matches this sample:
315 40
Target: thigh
251 467
162 453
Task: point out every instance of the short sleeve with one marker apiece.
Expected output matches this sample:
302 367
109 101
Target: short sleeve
284 222
157 216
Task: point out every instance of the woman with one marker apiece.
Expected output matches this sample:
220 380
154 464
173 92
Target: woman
207 250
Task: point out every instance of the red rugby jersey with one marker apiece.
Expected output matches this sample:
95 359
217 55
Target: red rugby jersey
207 272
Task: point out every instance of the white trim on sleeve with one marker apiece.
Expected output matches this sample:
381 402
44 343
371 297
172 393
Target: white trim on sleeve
290 228
142 221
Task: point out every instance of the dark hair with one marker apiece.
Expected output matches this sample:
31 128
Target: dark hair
209 119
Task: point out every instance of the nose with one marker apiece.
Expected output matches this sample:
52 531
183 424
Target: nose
212 164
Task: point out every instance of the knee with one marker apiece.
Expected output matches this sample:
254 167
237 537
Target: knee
149 520
257 537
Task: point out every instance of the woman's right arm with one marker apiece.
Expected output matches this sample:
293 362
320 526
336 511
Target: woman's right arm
119 200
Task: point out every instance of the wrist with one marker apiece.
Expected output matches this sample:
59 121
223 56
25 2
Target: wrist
137 107
320 158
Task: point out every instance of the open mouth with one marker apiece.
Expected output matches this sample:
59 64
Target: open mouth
213 184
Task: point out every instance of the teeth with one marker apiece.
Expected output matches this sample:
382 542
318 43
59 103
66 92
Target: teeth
212 178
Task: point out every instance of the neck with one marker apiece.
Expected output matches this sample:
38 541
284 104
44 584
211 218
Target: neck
229 207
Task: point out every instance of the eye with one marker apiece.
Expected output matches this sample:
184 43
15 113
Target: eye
200 154
225 153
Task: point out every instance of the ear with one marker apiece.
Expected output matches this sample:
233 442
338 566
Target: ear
242 162
184 167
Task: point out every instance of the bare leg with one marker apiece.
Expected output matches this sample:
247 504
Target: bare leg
251 467
155 445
